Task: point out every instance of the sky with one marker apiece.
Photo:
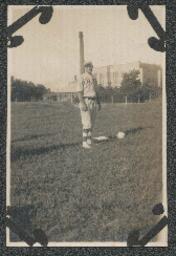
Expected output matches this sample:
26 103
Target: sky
50 52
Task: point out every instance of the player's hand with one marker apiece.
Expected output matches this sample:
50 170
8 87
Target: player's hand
83 107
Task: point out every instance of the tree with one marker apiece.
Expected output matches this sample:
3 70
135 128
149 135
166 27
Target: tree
27 91
135 91
131 85
130 82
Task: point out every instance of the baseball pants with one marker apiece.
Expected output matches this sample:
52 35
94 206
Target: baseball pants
88 117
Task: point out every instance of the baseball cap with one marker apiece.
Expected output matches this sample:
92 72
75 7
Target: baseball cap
88 64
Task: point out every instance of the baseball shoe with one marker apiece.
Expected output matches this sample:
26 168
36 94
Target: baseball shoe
86 145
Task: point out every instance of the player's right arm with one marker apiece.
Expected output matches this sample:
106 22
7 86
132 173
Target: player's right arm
83 106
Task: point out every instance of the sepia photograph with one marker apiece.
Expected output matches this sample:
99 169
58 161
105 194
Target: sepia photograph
86 131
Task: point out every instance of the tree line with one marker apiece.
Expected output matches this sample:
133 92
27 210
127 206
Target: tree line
27 91
131 90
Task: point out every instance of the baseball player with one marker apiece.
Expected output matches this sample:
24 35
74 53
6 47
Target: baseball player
89 103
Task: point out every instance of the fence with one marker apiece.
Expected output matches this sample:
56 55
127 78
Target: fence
126 99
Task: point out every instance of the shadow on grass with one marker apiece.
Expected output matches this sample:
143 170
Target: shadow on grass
134 130
32 137
27 152
128 132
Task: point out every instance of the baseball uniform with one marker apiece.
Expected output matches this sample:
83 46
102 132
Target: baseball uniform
87 86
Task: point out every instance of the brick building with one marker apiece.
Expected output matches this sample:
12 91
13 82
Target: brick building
112 75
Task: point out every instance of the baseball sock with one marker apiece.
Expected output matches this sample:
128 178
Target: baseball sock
85 134
89 136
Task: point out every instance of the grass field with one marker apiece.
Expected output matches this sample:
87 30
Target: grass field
77 195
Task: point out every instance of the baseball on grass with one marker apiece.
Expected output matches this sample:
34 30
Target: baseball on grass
120 135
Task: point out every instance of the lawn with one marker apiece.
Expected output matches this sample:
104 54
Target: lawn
75 194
